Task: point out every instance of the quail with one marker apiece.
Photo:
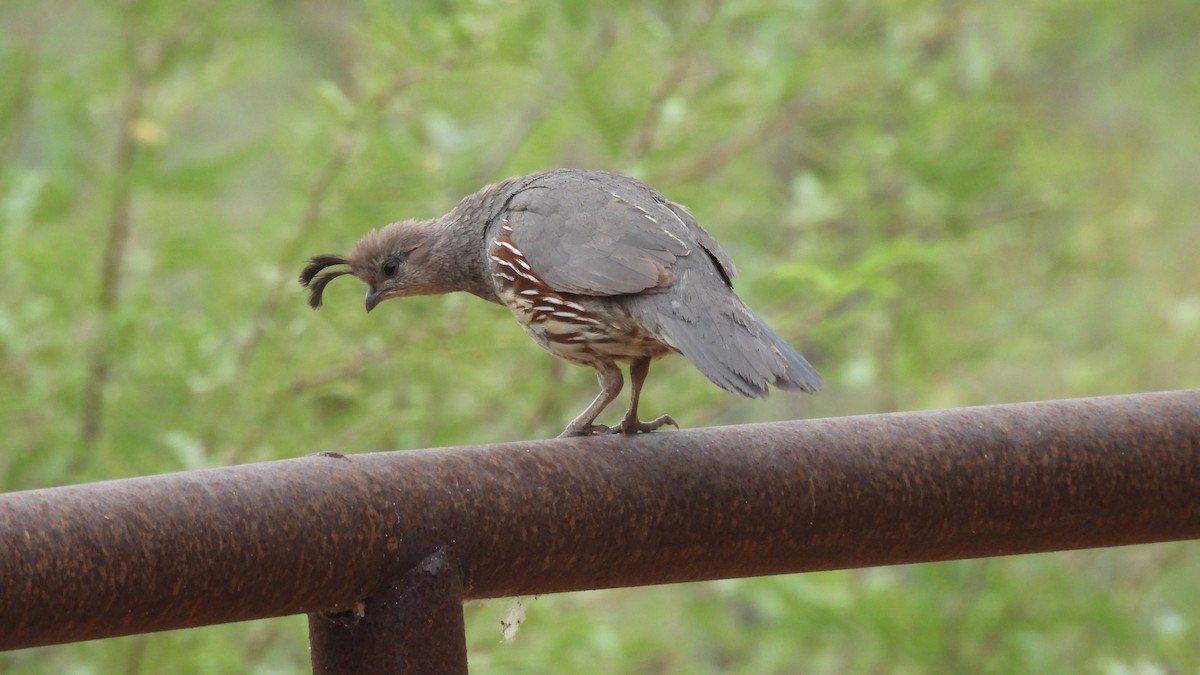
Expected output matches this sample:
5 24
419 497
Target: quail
598 268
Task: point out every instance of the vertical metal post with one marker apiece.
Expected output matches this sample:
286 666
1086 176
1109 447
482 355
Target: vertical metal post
413 626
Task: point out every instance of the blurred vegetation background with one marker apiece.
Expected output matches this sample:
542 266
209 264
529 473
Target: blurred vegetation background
941 203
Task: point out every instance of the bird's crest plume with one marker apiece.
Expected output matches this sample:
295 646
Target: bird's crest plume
316 284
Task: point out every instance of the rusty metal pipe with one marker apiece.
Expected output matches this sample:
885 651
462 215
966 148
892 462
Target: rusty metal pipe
320 532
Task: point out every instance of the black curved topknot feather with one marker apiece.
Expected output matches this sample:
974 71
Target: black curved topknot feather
316 285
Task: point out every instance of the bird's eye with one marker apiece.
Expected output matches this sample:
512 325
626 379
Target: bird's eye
391 266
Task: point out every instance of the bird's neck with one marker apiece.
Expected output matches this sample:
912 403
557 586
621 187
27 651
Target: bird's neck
461 237
457 255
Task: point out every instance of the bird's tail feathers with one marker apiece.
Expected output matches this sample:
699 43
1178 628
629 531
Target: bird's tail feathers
734 348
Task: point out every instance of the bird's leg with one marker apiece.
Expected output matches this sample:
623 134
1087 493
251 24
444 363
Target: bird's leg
631 424
611 381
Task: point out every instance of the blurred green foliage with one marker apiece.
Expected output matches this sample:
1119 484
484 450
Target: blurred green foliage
941 203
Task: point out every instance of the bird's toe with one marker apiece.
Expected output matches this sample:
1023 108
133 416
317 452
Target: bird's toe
589 430
639 427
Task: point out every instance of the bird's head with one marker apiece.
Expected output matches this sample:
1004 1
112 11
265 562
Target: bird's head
393 261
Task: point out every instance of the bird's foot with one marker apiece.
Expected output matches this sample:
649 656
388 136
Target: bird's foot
635 426
627 427
589 430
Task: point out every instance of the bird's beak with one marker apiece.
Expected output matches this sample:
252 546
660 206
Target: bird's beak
374 297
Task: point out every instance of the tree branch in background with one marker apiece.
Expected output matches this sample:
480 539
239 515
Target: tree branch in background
555 90
643 141
145 62
342 371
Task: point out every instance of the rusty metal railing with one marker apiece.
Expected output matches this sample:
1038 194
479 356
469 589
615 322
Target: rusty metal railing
413 534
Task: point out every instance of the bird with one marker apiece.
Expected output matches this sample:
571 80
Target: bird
599 269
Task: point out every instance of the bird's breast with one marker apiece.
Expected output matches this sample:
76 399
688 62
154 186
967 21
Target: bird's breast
580 329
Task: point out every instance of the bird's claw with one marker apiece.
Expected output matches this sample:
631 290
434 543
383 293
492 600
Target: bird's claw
636 426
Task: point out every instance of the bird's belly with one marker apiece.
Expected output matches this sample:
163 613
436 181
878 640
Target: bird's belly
572 333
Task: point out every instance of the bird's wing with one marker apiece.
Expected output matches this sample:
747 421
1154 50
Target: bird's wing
597 237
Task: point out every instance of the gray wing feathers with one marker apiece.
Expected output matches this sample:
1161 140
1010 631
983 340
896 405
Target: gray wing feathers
718 254
592 240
